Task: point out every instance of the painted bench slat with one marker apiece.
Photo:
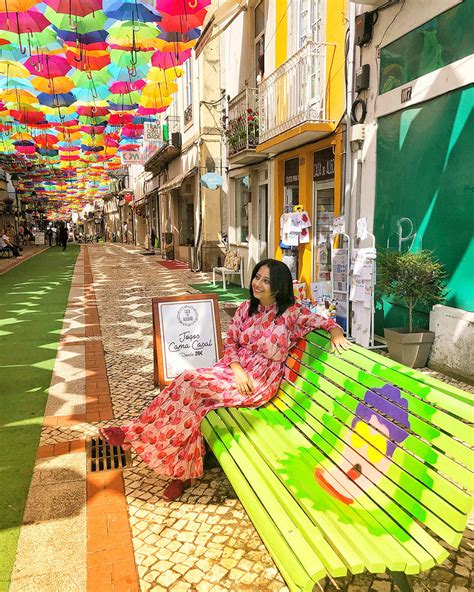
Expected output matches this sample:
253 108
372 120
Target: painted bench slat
310 531
398 522
284 437
287 562
342 402
259 475
444 421
337 401
458 406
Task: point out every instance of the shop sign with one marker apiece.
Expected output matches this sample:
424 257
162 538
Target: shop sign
292 171
323 168
186 335
152 132
130 158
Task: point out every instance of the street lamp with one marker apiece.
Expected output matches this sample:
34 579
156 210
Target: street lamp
15 180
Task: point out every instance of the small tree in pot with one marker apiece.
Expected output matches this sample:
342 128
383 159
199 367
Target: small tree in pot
411 278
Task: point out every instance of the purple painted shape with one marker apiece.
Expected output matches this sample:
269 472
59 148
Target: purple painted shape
395 409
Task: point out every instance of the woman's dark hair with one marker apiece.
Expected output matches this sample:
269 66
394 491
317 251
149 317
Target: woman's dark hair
281 284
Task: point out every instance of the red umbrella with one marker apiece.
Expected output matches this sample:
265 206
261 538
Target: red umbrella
92 111
78 8
182 22
120 118
47 65
93 129
44 140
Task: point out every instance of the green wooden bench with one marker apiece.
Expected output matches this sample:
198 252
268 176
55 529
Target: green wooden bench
359 463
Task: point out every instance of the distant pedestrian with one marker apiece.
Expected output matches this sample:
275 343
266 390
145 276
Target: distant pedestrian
49 236
125 233
63 236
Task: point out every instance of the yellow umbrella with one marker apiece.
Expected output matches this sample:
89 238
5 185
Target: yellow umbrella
60 84
22 137
18 95
155 103
170 46
159 90
69 137
13 69
18 5
160 75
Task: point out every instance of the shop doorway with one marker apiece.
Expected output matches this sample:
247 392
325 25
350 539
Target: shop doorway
323 208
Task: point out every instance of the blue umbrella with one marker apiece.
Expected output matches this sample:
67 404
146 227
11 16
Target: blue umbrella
122 106
130 10
56 100
122 73
84 38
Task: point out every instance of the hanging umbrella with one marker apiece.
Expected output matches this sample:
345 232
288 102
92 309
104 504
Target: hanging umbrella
130 97
18 96
126 74
92 111
87 60
168 60
131 10
13 70
46 65
10 51
130 58
156 102
18 5
122 88
72 8
120 119
75 38
60 84
175 7
30 21
159 89
182 22
160 75
81 24
174 41
128 34
84 79
91 94
21 137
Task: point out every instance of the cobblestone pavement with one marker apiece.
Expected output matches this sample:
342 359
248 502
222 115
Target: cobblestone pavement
205 541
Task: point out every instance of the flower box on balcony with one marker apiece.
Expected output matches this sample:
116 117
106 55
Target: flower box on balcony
242 128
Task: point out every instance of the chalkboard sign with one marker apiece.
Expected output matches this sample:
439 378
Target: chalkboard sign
187 335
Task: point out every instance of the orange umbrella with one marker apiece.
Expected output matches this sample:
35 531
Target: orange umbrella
60 84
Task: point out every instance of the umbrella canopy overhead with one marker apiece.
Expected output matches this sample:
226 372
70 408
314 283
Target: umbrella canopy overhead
78 81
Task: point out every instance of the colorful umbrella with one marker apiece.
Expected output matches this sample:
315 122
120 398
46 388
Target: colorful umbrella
167 60
74 8
175 7
47 66
182 22
81 24
60 84
131 10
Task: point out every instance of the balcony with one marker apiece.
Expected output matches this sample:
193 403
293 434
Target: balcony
243 127
294 95
157 154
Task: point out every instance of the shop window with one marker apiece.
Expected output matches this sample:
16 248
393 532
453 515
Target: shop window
292 193
323 175
242 204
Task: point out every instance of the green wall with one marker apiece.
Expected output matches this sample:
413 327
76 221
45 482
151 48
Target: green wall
442 40
425 177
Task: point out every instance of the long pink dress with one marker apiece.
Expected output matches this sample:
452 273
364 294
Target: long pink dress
167 435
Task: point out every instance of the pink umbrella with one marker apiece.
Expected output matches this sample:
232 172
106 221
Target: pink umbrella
78 8
165 60
150 110
30 21
47 66
182 23
181 6
123 88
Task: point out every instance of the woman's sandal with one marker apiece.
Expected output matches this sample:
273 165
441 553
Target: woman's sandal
175 489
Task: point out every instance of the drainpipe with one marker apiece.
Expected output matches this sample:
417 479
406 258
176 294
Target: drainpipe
348 165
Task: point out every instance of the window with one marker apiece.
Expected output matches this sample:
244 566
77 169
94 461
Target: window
259 40
188 91
310 25
242 203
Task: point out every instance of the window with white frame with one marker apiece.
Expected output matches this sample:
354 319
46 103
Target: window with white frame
259 40
188 91
311 27
242 204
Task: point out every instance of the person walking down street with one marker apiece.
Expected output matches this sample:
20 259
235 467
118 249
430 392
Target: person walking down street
63 236
167 435
49 236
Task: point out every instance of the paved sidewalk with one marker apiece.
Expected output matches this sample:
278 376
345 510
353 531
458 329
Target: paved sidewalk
111 531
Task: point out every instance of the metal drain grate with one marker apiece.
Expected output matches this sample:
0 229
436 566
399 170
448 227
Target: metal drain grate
101 456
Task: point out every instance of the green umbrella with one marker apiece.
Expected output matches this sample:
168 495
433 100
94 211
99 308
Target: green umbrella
125 33
85 79
127 98
81 24
128 59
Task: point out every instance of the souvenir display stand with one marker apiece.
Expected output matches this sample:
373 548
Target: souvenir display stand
340 266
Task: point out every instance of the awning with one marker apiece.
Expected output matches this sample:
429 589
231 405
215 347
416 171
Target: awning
177 181
219 20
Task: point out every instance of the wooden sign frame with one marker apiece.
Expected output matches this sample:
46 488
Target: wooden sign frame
159 353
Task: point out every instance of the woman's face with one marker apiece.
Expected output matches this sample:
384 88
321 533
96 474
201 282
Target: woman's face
261 286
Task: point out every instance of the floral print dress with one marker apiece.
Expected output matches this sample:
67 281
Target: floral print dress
167 435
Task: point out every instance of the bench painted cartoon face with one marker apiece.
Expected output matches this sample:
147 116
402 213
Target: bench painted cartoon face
369 446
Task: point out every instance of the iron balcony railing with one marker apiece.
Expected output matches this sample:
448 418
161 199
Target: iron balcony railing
242 125
294 93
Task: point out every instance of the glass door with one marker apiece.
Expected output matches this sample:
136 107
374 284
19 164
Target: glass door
263 221
323 208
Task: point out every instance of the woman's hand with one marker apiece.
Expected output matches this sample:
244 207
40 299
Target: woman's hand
242 379
338 342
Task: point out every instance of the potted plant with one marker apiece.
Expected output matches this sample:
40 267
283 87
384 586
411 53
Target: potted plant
410 278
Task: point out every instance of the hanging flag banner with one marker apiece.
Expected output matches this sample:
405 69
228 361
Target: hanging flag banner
152 132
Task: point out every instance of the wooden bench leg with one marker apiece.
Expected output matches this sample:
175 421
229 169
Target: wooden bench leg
400 579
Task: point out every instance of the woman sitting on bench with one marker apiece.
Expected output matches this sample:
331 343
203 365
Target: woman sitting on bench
167 435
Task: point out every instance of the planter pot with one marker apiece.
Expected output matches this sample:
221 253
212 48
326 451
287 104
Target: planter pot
411 349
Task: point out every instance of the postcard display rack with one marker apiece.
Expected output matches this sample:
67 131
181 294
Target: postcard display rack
340 266
362 292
